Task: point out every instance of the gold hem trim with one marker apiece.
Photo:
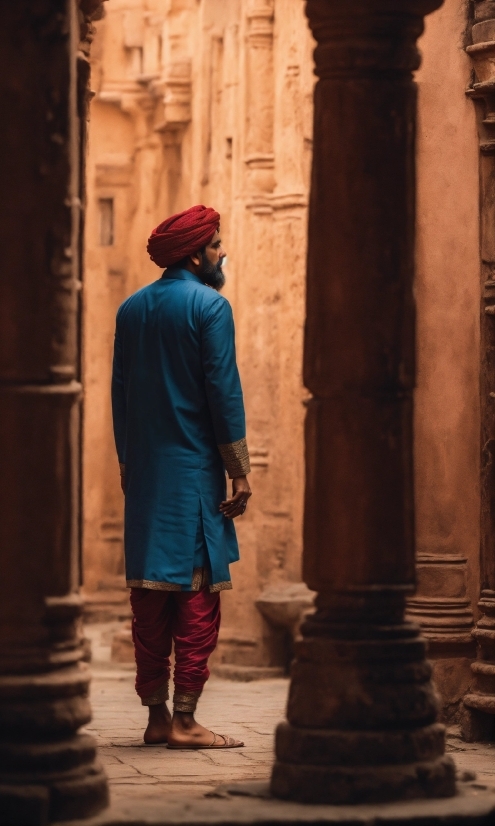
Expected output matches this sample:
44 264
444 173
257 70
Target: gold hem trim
221 586
159 697
236 458
153 586
186 702
200 579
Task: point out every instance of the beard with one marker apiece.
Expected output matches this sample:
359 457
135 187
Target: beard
212 274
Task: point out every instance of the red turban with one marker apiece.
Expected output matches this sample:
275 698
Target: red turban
182 234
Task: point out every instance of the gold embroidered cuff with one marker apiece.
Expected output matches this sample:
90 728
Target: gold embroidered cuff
236 458
156 699
187 701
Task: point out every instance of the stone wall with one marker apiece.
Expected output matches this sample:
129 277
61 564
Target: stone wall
447 412
206 102
211 102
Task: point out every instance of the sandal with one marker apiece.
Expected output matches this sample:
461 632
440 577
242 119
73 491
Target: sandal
228 743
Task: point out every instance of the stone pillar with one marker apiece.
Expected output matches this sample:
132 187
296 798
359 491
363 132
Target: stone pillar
259 127
48 772
481 701
362 709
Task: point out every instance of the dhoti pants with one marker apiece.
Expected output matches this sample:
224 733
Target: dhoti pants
192 620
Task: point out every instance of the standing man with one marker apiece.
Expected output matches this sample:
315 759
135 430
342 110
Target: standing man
179 424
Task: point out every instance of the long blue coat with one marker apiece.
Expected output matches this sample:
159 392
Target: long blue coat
176 396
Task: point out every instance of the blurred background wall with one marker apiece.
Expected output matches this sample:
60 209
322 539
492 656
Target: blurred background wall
205 101
209 101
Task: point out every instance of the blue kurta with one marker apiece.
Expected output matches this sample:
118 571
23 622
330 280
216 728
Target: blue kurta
176 396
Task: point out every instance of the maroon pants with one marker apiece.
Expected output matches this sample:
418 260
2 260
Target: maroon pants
191 619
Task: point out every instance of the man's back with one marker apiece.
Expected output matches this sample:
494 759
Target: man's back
161 329
176 397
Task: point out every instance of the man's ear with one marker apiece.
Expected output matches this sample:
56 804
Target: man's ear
196 258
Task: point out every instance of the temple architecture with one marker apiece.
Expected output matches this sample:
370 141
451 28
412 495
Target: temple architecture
365 305
212 102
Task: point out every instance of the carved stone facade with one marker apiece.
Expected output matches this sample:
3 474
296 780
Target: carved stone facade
211 102
481 700
206 102
362 709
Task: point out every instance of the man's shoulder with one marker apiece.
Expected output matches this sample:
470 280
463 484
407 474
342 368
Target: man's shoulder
135 299
212 300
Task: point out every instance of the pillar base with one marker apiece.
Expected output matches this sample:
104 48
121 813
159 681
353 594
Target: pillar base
362 708
393 764
48 772
43 783
363 784
480 701
53 800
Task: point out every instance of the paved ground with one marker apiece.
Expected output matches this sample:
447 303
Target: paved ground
249 711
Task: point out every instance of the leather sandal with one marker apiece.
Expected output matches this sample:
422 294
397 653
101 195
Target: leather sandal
228 743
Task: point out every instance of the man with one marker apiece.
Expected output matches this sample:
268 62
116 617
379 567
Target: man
179 424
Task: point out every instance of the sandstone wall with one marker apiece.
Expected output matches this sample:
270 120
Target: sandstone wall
447 422
205 102
211 102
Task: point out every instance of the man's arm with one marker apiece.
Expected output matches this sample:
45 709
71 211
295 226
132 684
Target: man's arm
224 393
119 411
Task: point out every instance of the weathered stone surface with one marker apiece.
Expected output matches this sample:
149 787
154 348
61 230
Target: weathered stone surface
482 52
339 747
46 771
249 805
447 467
359 667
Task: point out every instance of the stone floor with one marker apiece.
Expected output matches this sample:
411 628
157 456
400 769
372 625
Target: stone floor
248 711
156 786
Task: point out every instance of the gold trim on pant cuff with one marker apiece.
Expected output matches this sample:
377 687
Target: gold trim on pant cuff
187 701
160 696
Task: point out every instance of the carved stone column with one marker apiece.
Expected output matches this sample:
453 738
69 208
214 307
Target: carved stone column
481 700
362 709
259 127
47 771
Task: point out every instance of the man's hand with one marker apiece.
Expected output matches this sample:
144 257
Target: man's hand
122 478
240 494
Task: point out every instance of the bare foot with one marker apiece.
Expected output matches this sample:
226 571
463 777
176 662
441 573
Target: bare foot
158 728
186 733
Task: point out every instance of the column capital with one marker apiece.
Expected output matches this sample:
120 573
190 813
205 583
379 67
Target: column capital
260 17
367 38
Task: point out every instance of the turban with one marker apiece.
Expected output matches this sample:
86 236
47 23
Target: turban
182 235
